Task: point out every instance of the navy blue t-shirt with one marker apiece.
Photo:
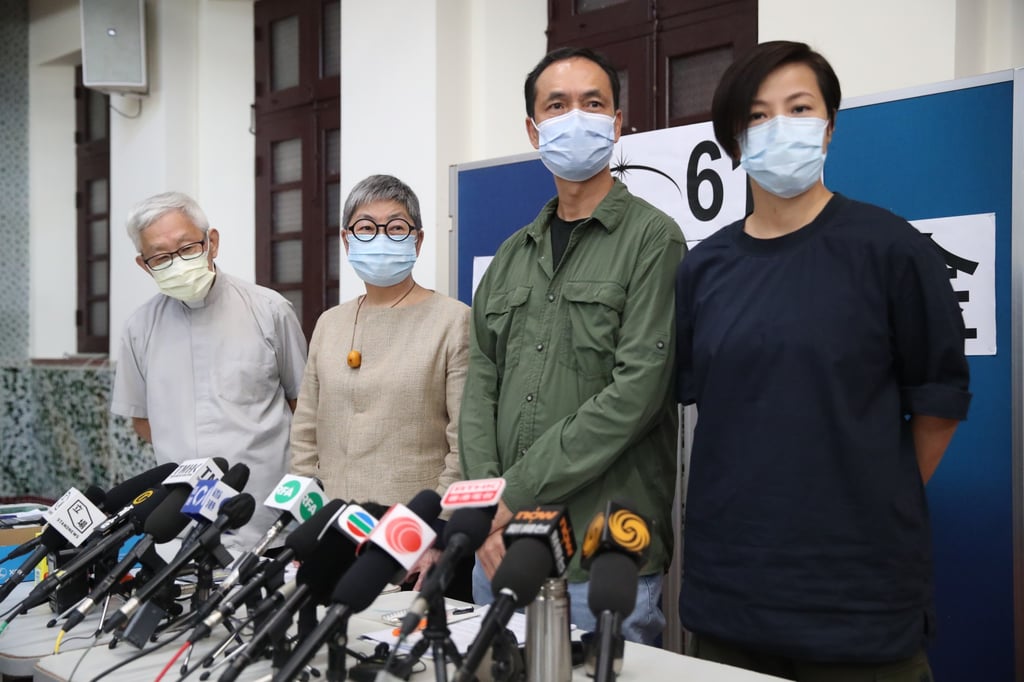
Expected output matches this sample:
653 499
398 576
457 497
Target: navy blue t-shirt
807 528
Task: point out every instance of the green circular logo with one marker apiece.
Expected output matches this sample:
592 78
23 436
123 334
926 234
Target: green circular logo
286 491
311 504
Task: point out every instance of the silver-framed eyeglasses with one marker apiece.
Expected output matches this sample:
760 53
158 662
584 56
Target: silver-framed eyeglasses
189 251
396 229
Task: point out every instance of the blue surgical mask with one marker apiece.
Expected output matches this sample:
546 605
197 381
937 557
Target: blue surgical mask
784 155
381 261
577 145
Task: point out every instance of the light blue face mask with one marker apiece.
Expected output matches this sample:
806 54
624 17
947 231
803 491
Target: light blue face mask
381 261
784 155
577 145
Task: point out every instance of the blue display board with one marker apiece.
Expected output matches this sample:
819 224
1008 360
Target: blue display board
933 152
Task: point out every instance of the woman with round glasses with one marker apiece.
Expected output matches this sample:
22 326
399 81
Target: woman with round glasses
378 410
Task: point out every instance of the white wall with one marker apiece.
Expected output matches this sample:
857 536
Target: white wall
451 93
54 42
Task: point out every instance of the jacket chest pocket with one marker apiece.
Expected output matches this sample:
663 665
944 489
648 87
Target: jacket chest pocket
591 328
506 319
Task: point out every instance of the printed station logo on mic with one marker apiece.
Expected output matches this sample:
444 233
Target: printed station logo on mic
74 516
404 535
298 495
481 492
206 498
191 471
617 529
550 523
356 523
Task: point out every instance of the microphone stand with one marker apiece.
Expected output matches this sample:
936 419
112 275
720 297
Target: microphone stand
608 648
436 636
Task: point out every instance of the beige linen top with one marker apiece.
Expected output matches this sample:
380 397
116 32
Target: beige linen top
388 429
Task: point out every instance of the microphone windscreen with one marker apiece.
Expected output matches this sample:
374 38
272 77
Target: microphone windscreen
426 504
222 464
523 570
238 509
613 584
472 522
363 582
97 496
375 509
331 559
304 539
236 477
53 540
166 521
156 497
122 494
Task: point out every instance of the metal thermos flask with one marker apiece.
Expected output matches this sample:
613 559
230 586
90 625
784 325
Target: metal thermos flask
548 654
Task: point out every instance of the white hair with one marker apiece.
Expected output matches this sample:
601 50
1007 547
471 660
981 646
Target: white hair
150 210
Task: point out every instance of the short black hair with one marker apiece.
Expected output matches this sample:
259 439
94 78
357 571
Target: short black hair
560 55
730 106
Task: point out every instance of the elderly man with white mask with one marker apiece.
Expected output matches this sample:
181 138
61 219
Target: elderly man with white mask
211 365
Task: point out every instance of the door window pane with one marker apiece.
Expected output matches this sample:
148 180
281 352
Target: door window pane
97 115
287 261
295 297
286 157
98 196
333 151
593 5
333 256
98 278
98 318
286 212
331 65
333 205
692 81
98 230
284 51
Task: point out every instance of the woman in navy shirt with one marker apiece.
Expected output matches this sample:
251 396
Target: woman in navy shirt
823 346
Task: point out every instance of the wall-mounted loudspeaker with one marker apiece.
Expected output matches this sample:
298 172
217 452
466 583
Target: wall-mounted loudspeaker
114 45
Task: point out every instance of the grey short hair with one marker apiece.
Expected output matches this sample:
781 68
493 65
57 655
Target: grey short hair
150 210
382 188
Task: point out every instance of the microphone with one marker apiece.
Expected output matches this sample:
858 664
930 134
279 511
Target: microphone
313 584
51 540
94 494
616 544
395 545
540 545
125 496
299 499
94 551
464 534
234 513
300 544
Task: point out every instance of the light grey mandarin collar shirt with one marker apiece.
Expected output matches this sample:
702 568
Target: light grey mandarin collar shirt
215 381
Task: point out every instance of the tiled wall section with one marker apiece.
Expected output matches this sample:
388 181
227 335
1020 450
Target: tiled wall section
14 179
56 431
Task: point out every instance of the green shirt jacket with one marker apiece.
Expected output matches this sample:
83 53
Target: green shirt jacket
568 395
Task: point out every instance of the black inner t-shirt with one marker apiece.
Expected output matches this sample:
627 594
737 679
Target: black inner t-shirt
561 230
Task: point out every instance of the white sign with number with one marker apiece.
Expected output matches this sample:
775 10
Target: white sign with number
686 174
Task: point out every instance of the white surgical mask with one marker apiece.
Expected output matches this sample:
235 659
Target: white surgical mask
381 261
784 155
186 280
577 145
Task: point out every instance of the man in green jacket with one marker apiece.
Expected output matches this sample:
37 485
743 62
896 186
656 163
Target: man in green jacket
571 349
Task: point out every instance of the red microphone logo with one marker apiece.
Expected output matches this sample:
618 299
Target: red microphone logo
404 535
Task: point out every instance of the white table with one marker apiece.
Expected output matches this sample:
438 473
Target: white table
641 663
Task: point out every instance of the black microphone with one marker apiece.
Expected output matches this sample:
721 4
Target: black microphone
518 579
51 540
300 544
95 495
92 552
314 582
464 534
234 513
126 496
540 545
399 539
615 545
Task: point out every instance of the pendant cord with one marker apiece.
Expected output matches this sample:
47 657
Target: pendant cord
355 322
